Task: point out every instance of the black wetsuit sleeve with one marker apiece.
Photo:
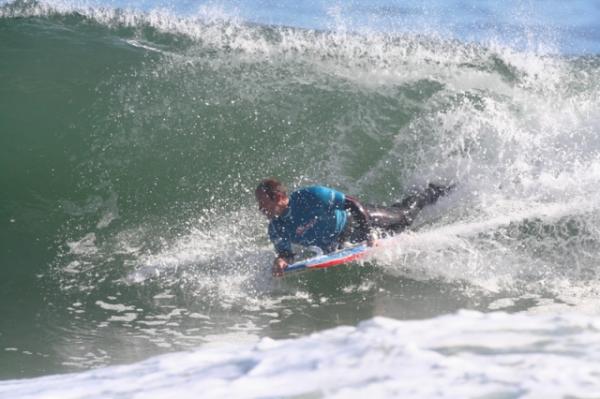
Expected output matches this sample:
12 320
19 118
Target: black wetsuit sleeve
283 246
360 217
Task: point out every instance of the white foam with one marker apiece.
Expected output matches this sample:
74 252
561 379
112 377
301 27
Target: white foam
126 317
85 246
481 251
468 354
117 307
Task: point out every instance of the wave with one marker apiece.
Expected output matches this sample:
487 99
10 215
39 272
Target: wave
134 141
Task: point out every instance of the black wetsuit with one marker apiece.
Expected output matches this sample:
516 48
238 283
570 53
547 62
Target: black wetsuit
392 219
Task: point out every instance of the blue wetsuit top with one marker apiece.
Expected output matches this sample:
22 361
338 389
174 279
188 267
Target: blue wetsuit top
315 216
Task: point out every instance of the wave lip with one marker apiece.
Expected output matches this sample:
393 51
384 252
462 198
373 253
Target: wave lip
569 28
465 354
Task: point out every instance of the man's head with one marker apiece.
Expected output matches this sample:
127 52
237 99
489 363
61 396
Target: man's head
271 196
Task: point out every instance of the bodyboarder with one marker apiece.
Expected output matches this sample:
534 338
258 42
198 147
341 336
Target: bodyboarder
326 218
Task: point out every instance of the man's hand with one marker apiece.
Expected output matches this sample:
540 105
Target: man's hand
279 266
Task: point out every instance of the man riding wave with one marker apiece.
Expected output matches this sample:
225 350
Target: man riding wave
323 217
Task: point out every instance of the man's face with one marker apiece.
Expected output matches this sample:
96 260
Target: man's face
271 207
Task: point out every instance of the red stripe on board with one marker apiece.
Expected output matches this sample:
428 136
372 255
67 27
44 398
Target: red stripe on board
335 262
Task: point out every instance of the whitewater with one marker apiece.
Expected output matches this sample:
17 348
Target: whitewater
135 262
464 355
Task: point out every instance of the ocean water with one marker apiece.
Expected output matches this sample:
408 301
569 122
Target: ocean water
134 262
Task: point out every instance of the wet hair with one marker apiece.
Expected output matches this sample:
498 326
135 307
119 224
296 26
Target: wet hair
271 187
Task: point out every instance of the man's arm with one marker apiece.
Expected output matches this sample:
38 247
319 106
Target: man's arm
283 247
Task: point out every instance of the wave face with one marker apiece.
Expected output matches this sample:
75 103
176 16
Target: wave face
132 141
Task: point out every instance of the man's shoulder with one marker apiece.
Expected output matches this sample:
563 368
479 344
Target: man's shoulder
314 190
306 196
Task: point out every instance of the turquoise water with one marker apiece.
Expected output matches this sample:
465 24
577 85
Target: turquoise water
133 134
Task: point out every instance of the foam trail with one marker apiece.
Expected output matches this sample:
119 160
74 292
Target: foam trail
456 234
486 254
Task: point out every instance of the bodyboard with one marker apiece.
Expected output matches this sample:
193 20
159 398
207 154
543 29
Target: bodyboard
331 259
